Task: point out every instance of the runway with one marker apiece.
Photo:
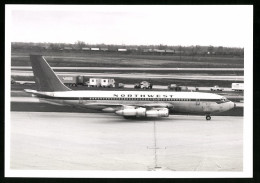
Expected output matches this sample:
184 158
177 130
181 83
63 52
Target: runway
90 141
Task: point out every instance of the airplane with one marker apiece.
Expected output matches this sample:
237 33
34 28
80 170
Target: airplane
21 82
129 104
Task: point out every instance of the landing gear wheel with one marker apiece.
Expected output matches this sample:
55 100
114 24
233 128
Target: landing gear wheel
208 117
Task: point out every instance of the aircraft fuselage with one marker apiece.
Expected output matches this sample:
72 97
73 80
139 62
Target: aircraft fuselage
110 101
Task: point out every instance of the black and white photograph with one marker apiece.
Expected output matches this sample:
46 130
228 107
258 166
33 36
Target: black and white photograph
129 91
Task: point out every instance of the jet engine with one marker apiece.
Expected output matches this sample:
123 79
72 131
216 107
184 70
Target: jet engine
163 112
138 112
142 112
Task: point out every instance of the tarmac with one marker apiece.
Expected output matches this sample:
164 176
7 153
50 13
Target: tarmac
141 75
102 141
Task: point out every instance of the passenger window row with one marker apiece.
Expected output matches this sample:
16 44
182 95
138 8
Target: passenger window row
142 99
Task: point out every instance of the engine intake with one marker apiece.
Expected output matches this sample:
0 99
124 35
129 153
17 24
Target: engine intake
142 112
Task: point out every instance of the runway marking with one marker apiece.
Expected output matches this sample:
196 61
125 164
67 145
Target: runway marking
134 68
217 165
25 99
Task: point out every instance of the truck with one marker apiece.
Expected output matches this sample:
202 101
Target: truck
82 80
237 86
146 85
175 87
143 85
184 88
94 82
73 80
108 83
172 86
69 80
101 82
120 85
137 85
216 88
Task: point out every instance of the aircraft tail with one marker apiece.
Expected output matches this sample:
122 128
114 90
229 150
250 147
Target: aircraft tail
45 78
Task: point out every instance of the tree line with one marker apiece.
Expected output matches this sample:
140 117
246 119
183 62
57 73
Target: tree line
192 50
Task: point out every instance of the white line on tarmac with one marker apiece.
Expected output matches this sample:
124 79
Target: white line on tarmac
25 99
134 68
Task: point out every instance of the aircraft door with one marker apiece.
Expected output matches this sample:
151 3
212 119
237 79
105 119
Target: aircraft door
81 100
206 106
197 101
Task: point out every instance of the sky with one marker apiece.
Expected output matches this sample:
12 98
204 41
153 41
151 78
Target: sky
130 25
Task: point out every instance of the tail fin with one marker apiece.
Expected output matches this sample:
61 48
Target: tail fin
45 78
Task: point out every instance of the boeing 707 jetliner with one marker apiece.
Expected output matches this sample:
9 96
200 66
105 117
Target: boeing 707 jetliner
129 104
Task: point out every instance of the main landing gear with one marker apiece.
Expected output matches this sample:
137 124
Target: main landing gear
208 117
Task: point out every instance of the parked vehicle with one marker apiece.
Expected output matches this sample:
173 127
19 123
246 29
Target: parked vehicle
178 88
80 80
172 86
73 80
137 85
146 85
121 85
175 87
94 82
21 82
107 83
143 85
69 80
184 88
216 88
13 81
237 86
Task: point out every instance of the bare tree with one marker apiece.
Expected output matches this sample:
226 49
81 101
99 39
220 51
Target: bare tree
80 44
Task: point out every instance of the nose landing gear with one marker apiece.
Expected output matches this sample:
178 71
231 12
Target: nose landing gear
208 117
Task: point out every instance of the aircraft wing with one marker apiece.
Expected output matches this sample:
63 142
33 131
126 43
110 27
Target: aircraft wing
120 106
156 105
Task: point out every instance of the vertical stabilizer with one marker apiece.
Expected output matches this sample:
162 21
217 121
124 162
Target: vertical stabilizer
45 78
